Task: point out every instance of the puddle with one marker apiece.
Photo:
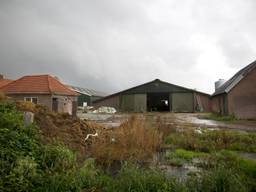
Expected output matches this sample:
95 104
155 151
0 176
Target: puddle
249 156
178 172
194 121
181 172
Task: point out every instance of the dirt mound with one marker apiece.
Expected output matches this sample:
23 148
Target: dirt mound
63 127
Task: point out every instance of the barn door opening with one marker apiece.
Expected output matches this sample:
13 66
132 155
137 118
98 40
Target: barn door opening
55 104
158 102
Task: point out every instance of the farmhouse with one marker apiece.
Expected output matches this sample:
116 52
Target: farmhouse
157 95
87 96
237 96
43 89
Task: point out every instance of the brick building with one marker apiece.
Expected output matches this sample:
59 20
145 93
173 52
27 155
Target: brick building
237 96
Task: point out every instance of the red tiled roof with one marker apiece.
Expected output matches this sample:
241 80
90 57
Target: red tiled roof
38 84
4 82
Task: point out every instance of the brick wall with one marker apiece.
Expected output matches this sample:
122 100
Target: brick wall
41 99
205 101
242 98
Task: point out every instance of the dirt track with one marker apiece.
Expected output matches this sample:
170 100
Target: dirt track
180 120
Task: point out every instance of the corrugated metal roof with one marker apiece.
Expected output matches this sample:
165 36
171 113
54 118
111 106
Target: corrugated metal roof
233 81
86 91
155 83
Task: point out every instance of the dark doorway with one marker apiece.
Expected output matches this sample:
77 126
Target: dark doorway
55 104
158 102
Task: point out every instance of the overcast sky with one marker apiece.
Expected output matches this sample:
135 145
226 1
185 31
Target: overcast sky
110 45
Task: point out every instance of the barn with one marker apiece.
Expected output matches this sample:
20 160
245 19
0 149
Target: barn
157 95
237 96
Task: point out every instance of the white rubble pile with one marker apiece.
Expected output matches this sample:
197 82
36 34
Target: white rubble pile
110 110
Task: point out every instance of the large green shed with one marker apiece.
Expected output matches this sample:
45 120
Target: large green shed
156 95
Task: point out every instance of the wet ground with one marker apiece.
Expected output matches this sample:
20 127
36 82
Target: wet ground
180 120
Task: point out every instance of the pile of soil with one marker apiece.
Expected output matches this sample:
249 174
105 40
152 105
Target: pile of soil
62 127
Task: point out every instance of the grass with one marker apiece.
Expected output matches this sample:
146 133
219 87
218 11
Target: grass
232 159
180 156
188 155
218 179
218 117
212 140
29 165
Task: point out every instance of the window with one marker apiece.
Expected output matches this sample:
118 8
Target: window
31 99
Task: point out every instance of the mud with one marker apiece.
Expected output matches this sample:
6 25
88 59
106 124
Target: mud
178 120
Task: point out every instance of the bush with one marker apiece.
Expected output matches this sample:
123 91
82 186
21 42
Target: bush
19 144
132 178
57 158
219 179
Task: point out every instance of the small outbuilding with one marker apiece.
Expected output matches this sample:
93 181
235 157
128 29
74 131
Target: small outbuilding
43 89
157 95
87 96
237 96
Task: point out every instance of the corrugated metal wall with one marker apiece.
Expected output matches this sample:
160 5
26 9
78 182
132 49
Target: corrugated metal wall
182 102
134 103
127 103
140 102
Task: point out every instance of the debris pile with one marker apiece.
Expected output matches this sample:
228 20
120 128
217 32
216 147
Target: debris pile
62 127
110 110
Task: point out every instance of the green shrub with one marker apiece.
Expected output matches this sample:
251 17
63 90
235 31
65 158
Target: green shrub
59 182
131 178
218 179
57 158
19 145
88 175
23 175
232 159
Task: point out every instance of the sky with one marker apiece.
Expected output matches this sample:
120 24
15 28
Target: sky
111 45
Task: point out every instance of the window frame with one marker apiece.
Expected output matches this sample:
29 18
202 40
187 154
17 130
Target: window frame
30 99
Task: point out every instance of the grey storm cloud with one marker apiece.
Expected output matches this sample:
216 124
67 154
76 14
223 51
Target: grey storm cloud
110 45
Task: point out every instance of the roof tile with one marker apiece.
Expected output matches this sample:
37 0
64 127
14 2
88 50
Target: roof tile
38 84
4 82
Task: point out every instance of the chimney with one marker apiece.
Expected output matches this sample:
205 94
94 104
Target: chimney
219 83
1 77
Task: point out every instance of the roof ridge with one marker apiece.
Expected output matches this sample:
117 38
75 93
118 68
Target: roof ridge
239 74
49 84
143 84
36 75
61 84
